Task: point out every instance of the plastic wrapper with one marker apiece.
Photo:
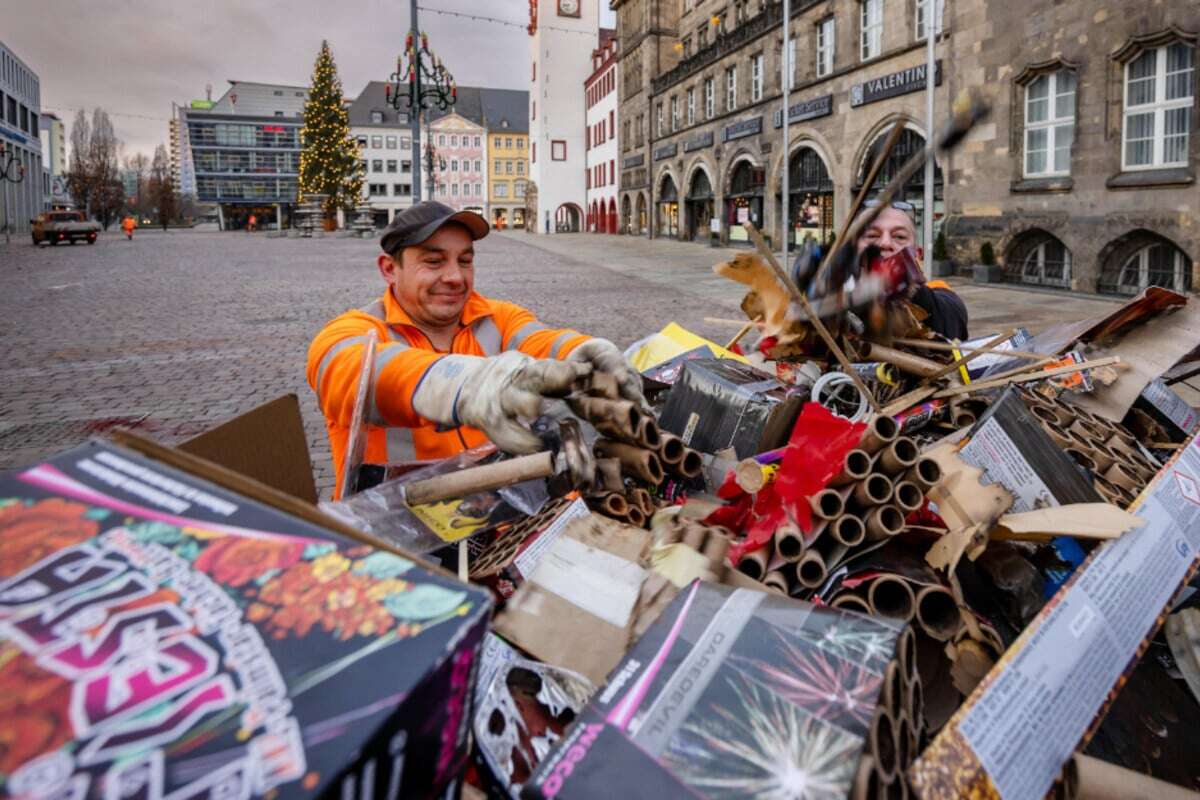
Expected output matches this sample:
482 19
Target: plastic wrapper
383 512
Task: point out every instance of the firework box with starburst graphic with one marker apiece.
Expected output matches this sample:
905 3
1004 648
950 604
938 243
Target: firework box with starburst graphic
164 636
731 693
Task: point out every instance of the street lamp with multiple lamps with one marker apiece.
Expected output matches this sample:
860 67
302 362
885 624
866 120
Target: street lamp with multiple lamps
11 171
424 83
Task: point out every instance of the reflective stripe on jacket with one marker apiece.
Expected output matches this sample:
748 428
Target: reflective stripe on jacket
404 354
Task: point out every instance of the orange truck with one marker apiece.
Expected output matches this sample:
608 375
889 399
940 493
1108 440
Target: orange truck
64 226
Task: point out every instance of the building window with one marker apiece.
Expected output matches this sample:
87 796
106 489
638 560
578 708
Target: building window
674 113
533 71
740 12
756 78
454 189
731 89
702 37
497 165
825 44
391 142
453 140
278 92
478 165
658 115
442 140
406 166
1049 124
391 165
454 165
1159 264
871 29
405 143
939 8
508 168
500 190
401 189
377 117
519 189
687 46
558 150
1159 93
520 167
377 142
378 189
691 106
377 165
533 152
710 103
477 142
496 142
520 143
362 141
508 142
533 106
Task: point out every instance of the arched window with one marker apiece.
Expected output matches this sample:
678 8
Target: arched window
913 190
807 172
1049 263
1141 259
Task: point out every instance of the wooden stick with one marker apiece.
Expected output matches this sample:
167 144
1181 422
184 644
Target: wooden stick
799 297
742 332
723 321
950 348
1029 376
1024 368
988 346
893 138
907 400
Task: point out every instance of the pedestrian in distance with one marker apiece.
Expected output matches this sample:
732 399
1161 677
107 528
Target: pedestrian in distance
127 225
252 224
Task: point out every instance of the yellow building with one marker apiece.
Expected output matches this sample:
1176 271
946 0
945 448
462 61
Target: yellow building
506 117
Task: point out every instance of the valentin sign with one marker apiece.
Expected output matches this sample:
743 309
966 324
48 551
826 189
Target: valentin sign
893 85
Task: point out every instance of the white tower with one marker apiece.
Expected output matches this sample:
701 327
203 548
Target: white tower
563 34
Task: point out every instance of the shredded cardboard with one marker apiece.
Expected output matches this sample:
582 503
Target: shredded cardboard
1081 520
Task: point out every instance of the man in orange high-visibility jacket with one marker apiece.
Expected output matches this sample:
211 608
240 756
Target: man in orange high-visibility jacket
457 368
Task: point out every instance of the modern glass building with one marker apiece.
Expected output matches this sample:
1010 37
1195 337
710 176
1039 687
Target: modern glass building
20 110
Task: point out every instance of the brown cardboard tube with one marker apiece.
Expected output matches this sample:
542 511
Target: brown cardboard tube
880 431
691 465
1081 427
827 504
669 533
644 501
716 547
670 449
897 456
1123 444
602 384
694 536
1100 780
1044 414
776 580
1058 434
925 473
907 496
891 596
903 741
789 542
882 744
916 706
479 479
648 435
937 613
882 522
892 695
962 418
872 490
1081 458
618 419
851 602
906 651
608 472
810 569
754 563
635 517
866 782
639 463
913 365
747 473
611 504
848 530
1109 493
1102 456
855 467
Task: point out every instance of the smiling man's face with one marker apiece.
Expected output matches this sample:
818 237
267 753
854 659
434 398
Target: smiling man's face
891 232
433 280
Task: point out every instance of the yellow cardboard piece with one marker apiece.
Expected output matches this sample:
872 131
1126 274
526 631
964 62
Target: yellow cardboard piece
671 341
1080 520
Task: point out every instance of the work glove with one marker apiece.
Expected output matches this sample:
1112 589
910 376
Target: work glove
494 394
604 356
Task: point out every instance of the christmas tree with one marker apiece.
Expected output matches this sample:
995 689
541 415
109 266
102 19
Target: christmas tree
328 156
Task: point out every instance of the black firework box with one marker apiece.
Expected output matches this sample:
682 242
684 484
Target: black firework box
163 636
730 693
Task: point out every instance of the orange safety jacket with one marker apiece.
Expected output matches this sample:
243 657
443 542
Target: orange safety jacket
403 355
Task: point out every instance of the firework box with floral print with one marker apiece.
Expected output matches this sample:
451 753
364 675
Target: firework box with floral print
731 693
163 636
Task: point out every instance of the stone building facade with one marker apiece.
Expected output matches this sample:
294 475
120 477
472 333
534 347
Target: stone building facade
1085 176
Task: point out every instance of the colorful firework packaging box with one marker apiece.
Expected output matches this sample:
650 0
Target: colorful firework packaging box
732 693
163 637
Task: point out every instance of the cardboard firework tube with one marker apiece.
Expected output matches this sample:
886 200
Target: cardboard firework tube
602 384
904 753
855 467
1108 492
645 501
754 563
882 744
1044 414
937 613
612 504
897 456
851 602
925 474
670 449
907 496
891 596
866 781
776 580
848 530
635 517
671 533
810 569
694 536
916 706
893 695
608 472
1089 778
906 652
827 504
1058 434
960 414
618 419
648 435
716 548
1081 458
882 522
480 479
1102 456
880 431
789 542
906 362
639 463
1123 444
872 490
691 465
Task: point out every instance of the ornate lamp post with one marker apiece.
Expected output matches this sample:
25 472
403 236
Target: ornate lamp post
421 84
11 171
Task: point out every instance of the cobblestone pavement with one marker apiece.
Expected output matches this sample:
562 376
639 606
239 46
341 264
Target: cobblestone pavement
175 332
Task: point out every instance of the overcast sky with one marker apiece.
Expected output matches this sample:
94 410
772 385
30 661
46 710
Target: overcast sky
134 57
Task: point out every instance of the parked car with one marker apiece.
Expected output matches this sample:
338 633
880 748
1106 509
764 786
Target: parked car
64 226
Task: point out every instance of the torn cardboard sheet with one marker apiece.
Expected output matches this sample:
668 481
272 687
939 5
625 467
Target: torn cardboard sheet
1080 520
962 501
577 608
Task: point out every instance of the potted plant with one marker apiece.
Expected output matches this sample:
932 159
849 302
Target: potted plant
987 271
941 265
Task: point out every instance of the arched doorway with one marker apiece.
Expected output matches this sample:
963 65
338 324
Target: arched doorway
500 219
640 220
913 190
810 210
612 215
744 200
1140 259
668 208
1039 258
626 215
568 218
699 206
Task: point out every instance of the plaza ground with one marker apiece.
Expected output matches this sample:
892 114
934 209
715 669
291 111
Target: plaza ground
174 332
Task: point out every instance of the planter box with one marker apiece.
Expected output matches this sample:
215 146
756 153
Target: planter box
941 269
985 273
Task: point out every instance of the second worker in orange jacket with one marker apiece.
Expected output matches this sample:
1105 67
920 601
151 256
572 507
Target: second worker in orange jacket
456 367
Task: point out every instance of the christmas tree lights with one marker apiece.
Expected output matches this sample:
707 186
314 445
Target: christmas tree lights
329 163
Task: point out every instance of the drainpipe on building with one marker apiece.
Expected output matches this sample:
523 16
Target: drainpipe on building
786 84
